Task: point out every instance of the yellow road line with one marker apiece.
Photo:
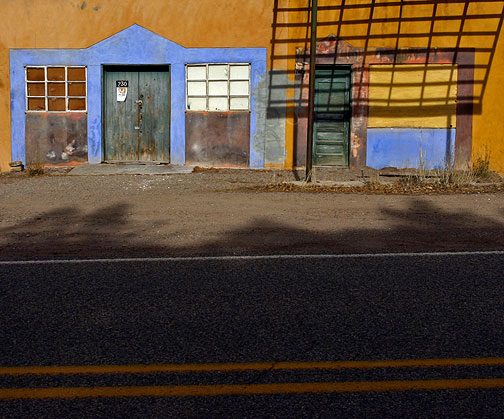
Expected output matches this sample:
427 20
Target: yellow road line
257 366
251 389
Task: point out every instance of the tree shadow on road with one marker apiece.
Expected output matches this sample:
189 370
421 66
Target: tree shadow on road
110 232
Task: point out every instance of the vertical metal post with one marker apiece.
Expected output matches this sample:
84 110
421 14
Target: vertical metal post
311 91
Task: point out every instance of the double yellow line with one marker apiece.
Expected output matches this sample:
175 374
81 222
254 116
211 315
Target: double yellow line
247 389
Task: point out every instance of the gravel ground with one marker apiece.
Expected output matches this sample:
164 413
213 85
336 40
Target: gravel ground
225 211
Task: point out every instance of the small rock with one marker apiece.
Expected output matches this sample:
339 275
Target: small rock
51 155
16 163
17 169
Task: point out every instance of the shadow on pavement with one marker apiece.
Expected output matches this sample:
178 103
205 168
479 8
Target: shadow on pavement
108 232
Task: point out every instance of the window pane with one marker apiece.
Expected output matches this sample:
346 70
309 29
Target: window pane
55 89
196 72
77 104
76 89
239 72
196 104
76 74
35 74
217 88
56 104
217 72
56 73
218 104
36 89
239 103
239 88
196 88
36 104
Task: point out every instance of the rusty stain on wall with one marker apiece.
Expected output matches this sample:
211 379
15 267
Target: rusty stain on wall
56 138
218 138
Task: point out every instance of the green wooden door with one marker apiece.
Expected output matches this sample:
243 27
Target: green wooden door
138 128
331 129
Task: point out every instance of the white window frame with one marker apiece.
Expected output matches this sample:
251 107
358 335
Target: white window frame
228 97
46 81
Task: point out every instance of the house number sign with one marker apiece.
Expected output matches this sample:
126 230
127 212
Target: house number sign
122 90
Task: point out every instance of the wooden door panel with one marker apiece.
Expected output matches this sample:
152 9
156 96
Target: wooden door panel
154 89
332 116
333 148
121 137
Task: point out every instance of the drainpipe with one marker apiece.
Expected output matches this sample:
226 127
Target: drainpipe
311 91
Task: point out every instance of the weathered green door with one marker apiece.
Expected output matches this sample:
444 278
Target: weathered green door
137 128
331 129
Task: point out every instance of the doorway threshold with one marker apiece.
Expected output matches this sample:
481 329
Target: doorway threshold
136 162
129 168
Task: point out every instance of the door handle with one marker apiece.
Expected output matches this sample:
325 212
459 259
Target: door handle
139 102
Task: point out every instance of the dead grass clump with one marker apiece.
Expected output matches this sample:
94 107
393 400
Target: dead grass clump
35 170
36 166
453 177
374 189
481 165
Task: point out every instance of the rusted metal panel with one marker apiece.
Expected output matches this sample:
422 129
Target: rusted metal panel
56 138
218 138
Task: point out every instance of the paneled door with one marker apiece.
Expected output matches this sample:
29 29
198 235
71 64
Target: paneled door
137 113
331 130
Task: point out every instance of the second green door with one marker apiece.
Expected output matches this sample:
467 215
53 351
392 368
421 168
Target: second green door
331 131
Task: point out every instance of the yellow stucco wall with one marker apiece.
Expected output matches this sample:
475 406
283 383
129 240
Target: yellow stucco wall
79 24
411 26
228 23
488 130
412 96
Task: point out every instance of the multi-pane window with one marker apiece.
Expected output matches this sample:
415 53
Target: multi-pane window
218 87
56 88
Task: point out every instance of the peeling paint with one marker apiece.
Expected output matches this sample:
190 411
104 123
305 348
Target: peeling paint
258 115
277 86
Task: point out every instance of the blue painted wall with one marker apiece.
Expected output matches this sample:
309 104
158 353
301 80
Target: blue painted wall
401 148
135 45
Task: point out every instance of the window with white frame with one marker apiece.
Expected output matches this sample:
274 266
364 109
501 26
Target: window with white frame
56 88
218 87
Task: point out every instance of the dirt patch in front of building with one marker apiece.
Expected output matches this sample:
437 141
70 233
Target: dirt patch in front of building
232 212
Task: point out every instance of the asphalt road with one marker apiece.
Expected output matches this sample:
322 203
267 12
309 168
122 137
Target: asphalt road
353 336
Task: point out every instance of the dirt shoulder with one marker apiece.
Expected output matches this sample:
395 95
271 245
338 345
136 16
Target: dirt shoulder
227 212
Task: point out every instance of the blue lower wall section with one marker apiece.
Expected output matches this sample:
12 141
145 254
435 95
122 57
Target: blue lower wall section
136 46
402 147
